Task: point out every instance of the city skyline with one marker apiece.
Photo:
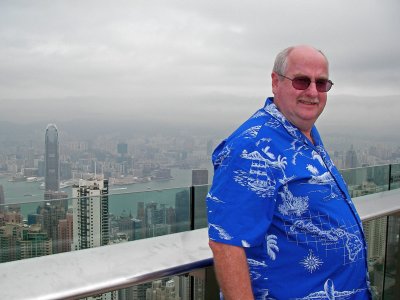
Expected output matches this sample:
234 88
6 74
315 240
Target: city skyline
138 70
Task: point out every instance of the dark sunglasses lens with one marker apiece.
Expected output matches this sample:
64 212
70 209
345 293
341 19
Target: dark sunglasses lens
301 83
323 85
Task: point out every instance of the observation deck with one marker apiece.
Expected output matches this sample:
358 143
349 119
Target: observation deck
160 246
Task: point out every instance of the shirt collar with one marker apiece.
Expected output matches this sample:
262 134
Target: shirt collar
271 109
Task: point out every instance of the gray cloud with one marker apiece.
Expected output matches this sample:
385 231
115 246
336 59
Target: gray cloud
71 59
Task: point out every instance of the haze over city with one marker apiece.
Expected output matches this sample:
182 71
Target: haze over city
136 66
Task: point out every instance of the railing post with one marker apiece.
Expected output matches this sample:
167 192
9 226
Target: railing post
212 287
386 254
390 177
192 287
192 227
192 207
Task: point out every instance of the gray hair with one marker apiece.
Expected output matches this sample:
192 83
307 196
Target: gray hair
280 64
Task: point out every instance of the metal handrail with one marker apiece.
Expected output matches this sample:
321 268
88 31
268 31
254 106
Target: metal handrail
78 274
82 273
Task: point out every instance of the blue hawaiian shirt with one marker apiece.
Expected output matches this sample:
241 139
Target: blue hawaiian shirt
281 198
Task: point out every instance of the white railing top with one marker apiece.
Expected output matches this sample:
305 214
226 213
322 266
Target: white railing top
77 274
378 205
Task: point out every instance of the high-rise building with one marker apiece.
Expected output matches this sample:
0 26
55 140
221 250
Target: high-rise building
375 232
35 218
140 211
351 160
34 243
65 170
210 147
136 292
137 229
65 233
20 242
200 186
182 211
200 182
52 159
9 237
13 215
122 149
167 291
51 213
90 214
199 176
174 288
130 226
156 220
140 215
2 199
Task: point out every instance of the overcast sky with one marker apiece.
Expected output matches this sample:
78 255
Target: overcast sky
62 60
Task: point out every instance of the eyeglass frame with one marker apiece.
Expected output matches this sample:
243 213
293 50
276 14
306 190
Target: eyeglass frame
315 81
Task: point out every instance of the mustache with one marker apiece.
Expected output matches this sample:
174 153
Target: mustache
313 101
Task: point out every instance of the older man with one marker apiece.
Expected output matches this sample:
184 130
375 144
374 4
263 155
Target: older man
281 221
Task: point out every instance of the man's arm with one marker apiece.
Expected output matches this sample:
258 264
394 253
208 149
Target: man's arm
232 271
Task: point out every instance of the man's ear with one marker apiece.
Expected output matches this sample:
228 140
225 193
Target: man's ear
275 81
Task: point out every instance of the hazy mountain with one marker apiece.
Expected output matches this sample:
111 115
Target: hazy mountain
374 118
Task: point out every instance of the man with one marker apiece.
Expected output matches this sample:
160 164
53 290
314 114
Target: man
281 221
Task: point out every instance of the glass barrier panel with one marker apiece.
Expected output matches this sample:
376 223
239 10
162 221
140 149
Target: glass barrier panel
375 234
392 273
169 288
367 180
395 177
200 284
200 211
47 227
147 214
30 230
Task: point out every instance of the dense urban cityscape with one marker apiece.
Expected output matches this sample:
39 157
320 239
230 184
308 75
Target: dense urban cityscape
60 224
82 182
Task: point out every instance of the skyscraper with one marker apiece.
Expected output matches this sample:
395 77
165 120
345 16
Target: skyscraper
52 159
2 199
351 160
34 243
182 211
199 182
156 220
51 213
9 238
199 176
90 214
65 231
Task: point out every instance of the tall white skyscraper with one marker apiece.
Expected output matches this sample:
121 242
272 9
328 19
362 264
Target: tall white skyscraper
90 214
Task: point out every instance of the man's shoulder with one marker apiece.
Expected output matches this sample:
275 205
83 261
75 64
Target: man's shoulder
251 128
254 135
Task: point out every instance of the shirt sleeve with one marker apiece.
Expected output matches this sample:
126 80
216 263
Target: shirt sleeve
241 201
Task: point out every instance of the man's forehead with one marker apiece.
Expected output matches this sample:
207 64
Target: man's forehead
301 60
306 55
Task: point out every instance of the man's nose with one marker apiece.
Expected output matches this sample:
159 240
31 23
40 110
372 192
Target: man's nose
312 91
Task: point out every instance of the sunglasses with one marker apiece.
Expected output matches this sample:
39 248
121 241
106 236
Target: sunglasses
303 82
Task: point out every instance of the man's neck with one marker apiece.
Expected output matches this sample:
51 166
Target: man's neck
308 135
